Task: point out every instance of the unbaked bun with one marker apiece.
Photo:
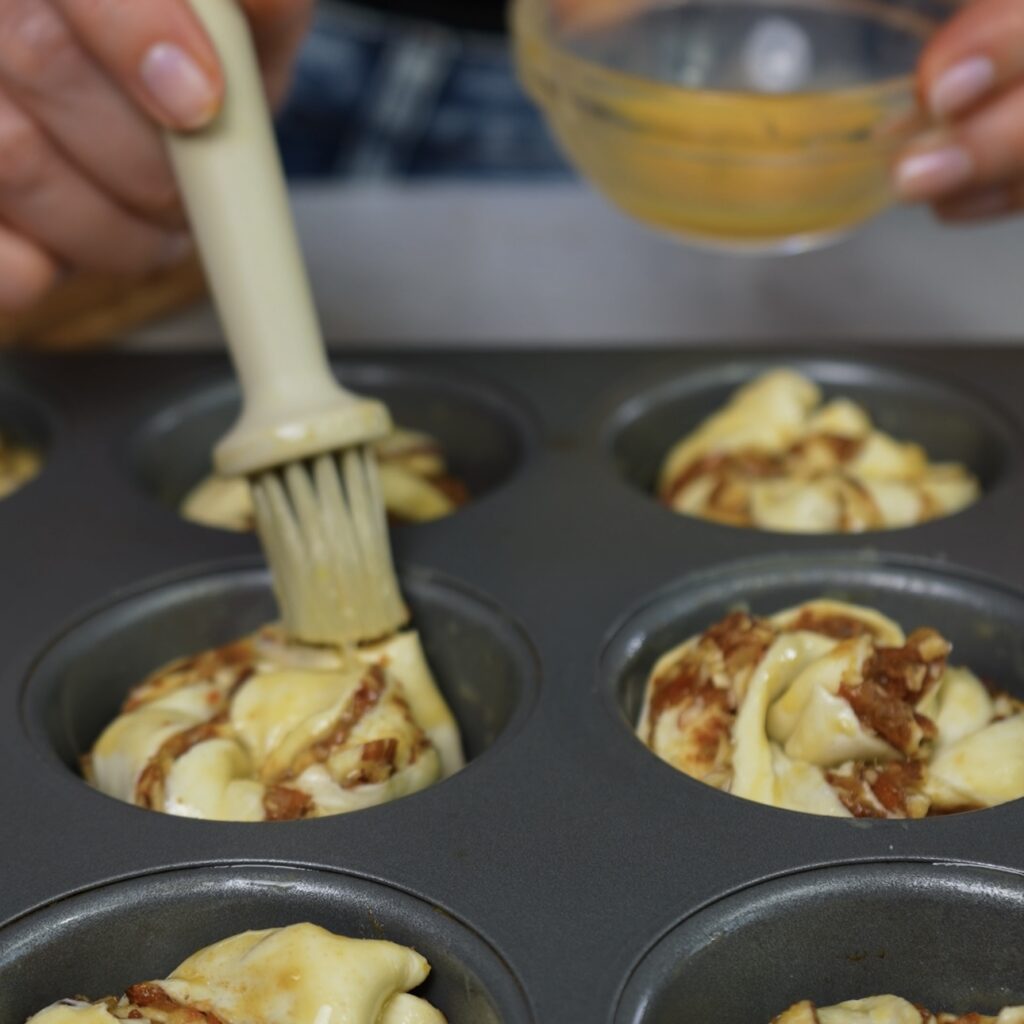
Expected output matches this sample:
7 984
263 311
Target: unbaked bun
776 458
829 708
301 974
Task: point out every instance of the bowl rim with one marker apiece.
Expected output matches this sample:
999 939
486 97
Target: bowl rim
530 28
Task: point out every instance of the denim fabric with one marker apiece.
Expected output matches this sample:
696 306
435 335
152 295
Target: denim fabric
389 98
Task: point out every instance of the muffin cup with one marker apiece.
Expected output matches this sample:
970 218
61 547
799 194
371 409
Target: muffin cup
484 434
951 424
24 421
484 663
99 942
983 619
945 936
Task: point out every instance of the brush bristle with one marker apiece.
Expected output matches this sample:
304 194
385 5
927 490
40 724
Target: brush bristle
324 532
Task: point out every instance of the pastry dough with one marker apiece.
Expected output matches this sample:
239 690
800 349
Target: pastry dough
18 465
302 974
414 478
888 1010
263 730
777 459
829 708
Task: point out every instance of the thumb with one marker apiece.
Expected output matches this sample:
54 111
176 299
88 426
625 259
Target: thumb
586 15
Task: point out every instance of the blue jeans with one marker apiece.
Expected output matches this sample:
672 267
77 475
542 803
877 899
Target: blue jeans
388 98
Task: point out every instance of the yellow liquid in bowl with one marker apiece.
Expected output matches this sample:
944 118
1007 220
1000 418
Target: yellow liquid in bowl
731 167
768 196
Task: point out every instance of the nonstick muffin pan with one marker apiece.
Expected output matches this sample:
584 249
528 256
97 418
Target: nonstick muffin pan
566 875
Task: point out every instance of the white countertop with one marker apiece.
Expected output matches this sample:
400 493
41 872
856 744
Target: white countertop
553 264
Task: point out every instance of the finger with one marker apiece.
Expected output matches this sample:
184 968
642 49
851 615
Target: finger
157 51
974 55
983 204
587 15
62 87
27 273
985 149
45 198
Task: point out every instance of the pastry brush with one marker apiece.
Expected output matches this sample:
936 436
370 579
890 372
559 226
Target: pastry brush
302 440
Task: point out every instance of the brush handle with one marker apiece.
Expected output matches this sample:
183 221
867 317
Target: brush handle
231 178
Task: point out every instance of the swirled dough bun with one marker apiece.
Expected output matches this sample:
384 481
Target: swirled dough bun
18 465
300 975
888 1010
414 478
263 730
829 708
776 458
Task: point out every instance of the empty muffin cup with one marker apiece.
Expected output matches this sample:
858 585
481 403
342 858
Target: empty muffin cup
945 936
981 618
482 435
950 424
101 941
484 664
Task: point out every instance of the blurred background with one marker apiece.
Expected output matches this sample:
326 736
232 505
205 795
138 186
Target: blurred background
412 90
435 210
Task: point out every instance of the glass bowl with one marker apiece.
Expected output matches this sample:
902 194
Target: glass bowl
746 125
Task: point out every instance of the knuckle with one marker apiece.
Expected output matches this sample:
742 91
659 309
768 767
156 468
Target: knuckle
23 150
37 49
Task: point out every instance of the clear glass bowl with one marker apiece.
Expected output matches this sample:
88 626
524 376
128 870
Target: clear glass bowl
746 125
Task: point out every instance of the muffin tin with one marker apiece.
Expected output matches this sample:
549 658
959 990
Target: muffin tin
566 875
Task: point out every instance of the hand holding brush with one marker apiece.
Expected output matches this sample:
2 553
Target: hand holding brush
303 441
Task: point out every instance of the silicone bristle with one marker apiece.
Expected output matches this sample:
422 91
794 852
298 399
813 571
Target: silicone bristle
325 536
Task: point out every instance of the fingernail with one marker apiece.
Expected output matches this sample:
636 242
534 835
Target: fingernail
175 248
178 85
933 173
962 85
